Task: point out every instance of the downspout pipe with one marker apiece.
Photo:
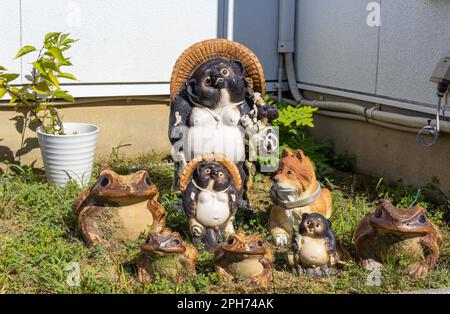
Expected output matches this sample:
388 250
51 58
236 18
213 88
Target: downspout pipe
286 37
336 109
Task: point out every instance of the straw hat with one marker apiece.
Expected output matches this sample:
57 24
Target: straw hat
209 49
186 175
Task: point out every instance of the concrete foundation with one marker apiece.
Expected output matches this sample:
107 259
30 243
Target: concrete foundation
141 123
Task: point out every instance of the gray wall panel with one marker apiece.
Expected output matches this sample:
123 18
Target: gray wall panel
10 35
334 45
256 26
414 36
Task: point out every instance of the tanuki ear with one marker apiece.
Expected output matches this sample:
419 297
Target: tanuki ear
190 85
299 154
238 68
329 223
286 152
304 216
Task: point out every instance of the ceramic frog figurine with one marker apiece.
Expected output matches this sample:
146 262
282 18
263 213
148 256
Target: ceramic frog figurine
119 208
244 259
394 234
166 254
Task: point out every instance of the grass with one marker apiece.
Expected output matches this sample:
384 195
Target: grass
38 238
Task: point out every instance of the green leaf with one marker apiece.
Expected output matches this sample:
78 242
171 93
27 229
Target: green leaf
2 92
67 76
50 35
10 77
64 95
38 66
56 52
49 64
41 88
24 51
54 80
2 68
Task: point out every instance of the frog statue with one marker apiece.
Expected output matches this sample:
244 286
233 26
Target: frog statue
166 254
119 208
245 259
394 234
217 106
210 185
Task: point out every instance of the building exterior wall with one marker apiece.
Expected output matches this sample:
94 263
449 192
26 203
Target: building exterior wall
129 48
336 47
382 152
387 153
143 124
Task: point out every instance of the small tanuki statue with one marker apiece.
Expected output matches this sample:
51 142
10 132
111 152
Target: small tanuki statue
210 185
295 191
244 259
166 254
119 208
392 234
216 94
315 248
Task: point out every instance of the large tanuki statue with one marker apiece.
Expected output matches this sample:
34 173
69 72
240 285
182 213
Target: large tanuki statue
216 99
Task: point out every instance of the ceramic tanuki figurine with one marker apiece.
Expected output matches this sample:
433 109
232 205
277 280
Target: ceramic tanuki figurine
295 191
315 248
210 185
244 259
210 94
166 254
119 208
393 234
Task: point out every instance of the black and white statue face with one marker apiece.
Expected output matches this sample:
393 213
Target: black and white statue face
206 85
212 173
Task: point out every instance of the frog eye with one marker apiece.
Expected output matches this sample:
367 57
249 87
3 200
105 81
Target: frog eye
105 181
422 219
208 171
230 240
224 72
176 242
148 181
259 243
207 81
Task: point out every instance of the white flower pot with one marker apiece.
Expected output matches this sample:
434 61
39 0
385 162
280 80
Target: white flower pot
69 156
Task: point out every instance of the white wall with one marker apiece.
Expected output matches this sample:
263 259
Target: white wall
130 47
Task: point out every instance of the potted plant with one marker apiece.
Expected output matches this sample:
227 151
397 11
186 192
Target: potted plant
67 148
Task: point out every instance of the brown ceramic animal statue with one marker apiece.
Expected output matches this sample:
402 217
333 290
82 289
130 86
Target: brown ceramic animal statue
166 254
119 208
315 248
244 259
295 191
393 234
